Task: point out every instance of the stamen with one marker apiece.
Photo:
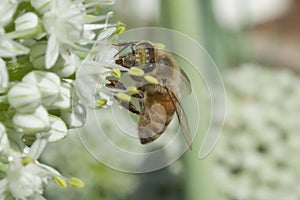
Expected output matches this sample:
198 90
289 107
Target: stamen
134 71
123 97
151 79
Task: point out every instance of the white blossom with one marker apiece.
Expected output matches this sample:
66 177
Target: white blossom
10 48
58 129
24 97
64 24
48 84
7 10
3 75
30 123
4 143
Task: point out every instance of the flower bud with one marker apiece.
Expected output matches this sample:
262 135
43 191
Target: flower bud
7 10
41 5
31 123
37 55
3 75
24 97
4 144
26 25
48 84
76 117
64 99
65 68
58 129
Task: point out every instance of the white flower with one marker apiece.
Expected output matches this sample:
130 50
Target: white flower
93 73
26 178
76 117
3 75
10 48
37 55
4 144
64 24
31 123
24 97
7 10
58 129
25 26
24 182
41 5
66 65
48 84
64 99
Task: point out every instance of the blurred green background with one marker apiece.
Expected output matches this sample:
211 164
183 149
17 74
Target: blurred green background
256 46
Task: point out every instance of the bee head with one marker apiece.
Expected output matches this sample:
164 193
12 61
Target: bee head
126 60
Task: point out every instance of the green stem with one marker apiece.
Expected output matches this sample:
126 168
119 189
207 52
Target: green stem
186 17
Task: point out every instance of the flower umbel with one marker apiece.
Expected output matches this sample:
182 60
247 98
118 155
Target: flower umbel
42 45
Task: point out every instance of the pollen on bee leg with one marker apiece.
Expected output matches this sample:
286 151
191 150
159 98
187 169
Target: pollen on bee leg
134 71
151 79
123 97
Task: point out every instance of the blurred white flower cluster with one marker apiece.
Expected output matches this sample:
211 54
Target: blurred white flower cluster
257 156
42 45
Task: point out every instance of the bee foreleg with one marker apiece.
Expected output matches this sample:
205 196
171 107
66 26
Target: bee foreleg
130 107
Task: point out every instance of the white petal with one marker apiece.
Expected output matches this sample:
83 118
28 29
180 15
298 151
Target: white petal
64 99
58 129
4 144
48 84
7 10
27 21
75 118
52 51
32 123
3 75
37 55
24 97
105 34
41 5
37 148
10 48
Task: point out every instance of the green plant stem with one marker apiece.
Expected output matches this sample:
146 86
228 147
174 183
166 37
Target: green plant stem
185 16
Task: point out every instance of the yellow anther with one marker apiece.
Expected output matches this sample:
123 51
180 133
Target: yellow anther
151 79
124 97
60 182
120 28
26 160
132 90
134 71
76 182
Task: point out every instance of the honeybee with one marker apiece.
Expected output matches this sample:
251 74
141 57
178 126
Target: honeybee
158 89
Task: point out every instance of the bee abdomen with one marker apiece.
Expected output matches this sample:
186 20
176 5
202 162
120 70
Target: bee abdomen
153 123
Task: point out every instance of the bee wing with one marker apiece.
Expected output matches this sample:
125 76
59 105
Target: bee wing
182 118
185 84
